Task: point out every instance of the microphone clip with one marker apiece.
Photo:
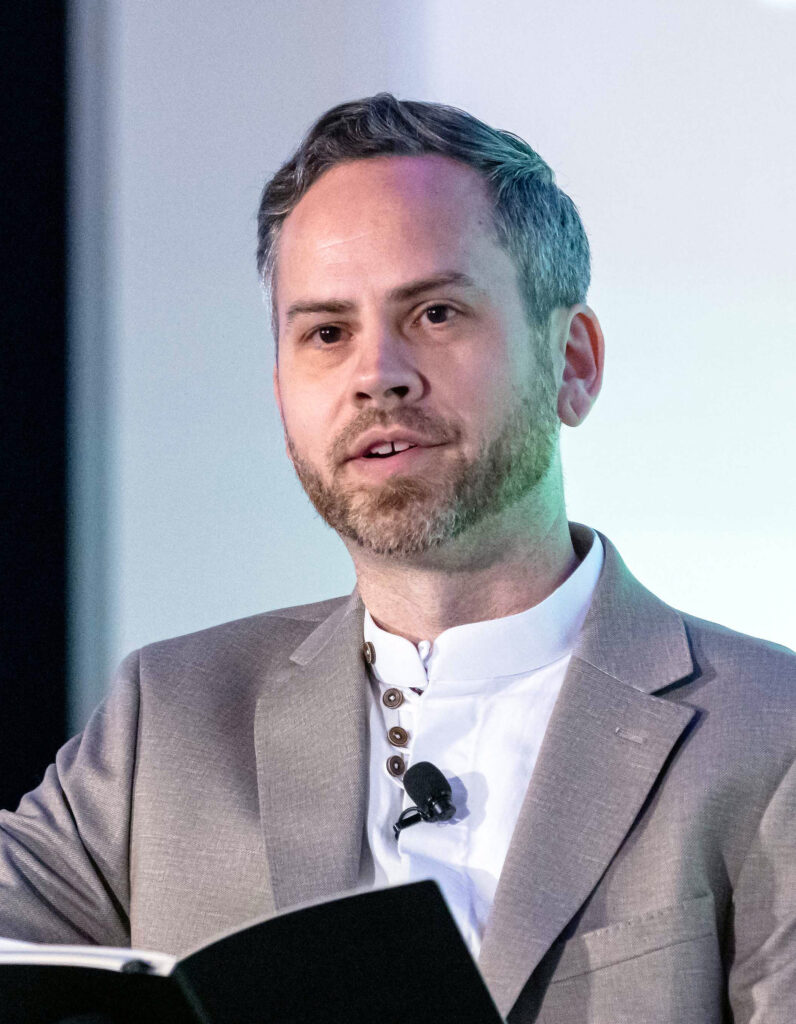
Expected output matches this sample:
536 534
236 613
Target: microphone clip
411 816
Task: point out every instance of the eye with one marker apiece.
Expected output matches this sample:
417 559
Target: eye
328 334
439 313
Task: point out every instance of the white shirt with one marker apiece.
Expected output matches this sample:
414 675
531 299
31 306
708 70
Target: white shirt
488 690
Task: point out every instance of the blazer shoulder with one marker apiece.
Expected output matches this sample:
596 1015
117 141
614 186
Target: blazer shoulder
736 646
759 673
257 639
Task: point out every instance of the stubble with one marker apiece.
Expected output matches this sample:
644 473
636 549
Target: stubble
409 515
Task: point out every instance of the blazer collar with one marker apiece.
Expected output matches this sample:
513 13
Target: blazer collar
312 760
607 742
629 633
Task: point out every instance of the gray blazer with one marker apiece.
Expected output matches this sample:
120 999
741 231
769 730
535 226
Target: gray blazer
652 872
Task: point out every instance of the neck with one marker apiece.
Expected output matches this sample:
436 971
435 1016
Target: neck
493 572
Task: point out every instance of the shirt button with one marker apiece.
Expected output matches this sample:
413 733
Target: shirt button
392 698
369 652
396 765
397 736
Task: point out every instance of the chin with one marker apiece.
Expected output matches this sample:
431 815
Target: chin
397 522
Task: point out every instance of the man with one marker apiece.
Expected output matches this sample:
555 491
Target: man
623 773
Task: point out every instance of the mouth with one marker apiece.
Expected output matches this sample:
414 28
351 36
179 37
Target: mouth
384 459
387 449
389 443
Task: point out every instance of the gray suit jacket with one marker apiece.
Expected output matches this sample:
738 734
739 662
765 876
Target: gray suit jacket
652 872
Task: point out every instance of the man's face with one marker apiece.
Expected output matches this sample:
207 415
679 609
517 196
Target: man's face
416 400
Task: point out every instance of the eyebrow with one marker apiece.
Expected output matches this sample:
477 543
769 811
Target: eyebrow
400 294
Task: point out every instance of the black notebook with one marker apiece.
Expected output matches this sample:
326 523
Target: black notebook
386 956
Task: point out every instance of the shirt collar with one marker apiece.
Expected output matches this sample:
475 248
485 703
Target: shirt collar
512 645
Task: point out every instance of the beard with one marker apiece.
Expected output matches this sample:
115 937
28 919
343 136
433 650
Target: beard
410 515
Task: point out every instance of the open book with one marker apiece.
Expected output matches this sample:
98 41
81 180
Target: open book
385 956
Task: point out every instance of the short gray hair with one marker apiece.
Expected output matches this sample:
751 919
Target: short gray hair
536 223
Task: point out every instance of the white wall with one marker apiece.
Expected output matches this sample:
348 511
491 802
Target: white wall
670 124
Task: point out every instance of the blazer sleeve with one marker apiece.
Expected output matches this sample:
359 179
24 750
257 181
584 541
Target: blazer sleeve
64 854
762 976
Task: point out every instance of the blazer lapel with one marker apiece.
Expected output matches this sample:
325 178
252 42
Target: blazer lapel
311 737
607 742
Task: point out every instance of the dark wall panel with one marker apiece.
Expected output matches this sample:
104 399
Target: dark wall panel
32 393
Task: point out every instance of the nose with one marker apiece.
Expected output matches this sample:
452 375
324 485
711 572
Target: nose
386 374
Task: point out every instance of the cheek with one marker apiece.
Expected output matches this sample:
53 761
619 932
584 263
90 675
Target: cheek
295 407
310 423
477 391
303 423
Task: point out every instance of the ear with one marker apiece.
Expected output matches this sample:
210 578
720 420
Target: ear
584 359
278 397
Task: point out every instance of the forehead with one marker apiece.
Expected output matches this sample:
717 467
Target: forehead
391 216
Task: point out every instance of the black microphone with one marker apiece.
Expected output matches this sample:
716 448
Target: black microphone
431 792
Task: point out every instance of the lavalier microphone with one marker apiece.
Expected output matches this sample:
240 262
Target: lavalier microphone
430 791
